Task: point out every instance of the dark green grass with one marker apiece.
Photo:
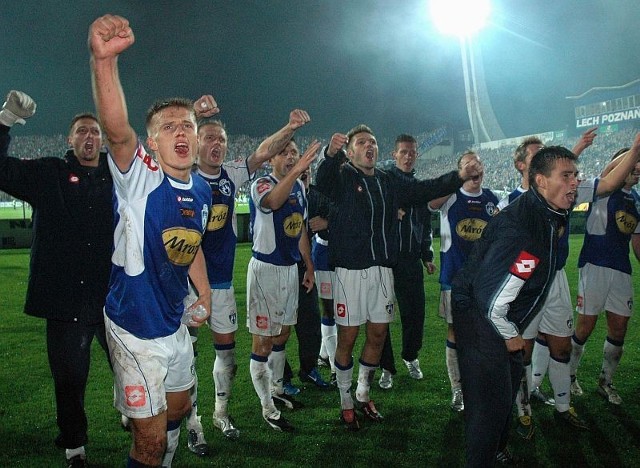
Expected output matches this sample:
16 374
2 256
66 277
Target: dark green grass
419 428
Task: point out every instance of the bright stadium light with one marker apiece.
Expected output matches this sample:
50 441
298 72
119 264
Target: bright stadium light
464 18
460 17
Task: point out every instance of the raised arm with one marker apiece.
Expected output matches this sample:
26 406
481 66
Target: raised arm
109 36
275 143
280 193
586 140
622 166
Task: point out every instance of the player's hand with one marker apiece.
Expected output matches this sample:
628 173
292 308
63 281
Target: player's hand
205 106
430 267
17 107
307 157
298 118
318 223
109 36
470 169
308 279
338 140
204 301
514 344
586 140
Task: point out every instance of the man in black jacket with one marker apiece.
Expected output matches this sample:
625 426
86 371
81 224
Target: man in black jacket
499 291
363 247
70 255
414 227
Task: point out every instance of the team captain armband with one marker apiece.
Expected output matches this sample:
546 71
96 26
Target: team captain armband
524 266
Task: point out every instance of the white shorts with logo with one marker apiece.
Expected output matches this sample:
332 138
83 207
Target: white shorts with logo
324 283
272 297
445 305
361 296
556 315
146 370
224 313
601 288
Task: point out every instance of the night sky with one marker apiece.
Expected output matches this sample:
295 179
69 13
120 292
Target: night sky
378 62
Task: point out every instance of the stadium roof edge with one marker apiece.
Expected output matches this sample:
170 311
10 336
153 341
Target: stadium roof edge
604 88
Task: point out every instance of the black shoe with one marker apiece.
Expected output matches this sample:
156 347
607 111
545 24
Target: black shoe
506 458
79 461
350 420
285 401
368 409
571 418
279 424
315 378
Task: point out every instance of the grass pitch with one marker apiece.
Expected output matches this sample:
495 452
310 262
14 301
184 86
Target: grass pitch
419 428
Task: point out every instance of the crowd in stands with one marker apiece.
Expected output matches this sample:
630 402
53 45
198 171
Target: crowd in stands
499 170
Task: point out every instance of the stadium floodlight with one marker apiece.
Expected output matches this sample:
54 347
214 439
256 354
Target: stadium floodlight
461 18
464 18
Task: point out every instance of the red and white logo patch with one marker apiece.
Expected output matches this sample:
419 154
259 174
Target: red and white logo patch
524 265
74 179
341 310
263 187
262 322
325 288
135 395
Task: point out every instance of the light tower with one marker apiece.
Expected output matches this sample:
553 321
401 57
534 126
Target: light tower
464 18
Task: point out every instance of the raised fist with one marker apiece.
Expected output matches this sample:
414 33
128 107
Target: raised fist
17 107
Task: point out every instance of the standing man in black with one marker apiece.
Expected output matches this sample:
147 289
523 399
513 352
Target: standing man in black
414 229
499 291
70 255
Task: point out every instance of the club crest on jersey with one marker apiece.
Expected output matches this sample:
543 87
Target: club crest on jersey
490 208
74 179
299 197
135 396
225 187
341 310
181 244
217 217
524 265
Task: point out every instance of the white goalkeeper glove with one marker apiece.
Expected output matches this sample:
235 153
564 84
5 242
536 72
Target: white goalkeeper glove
17 107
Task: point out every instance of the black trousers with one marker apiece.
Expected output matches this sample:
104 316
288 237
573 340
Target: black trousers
307 328
408 277
490 378
69 351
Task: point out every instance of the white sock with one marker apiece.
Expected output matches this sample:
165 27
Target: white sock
329 343
70 453
560 378
522 398
365 377
224 371
343 380
612 353
539 363
173 437
276 364
261 378
577 350
192 417
453 370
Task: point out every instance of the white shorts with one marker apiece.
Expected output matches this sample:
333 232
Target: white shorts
445 305
144 371
601 288
361 296
324 282
556 315
224 313
272 297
